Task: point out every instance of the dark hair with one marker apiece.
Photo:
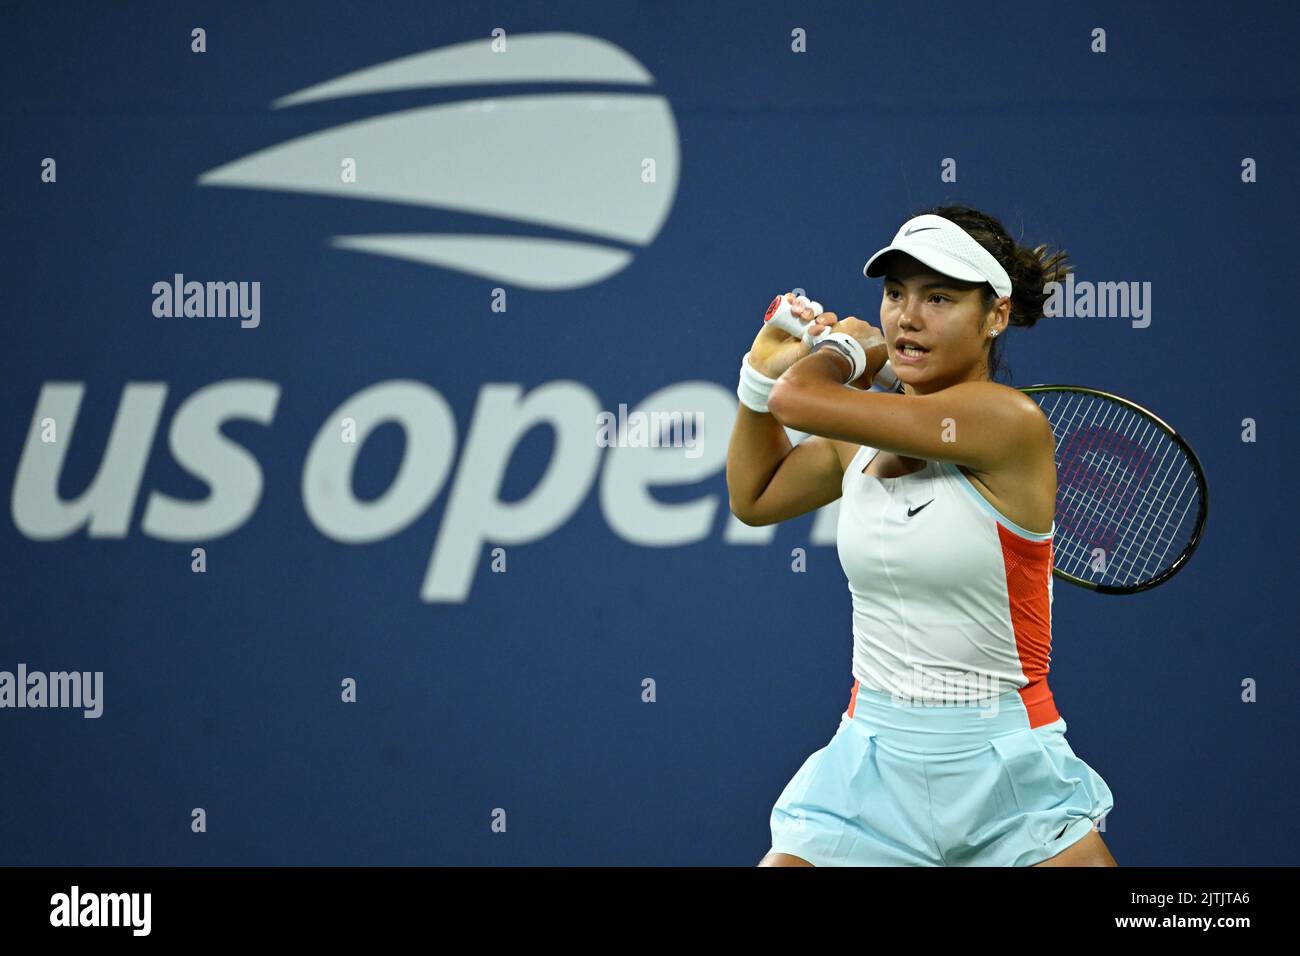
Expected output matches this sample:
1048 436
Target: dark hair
1030 269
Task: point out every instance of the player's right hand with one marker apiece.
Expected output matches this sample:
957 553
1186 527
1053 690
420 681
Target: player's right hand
774 350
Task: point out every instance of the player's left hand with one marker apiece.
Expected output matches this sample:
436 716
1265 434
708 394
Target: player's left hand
872 340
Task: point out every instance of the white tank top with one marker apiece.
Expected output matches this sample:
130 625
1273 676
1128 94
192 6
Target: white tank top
952 601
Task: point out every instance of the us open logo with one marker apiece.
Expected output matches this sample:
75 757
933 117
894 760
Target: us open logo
598 169
589 176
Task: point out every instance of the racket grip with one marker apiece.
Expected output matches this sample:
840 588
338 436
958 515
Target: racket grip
886 379
780 315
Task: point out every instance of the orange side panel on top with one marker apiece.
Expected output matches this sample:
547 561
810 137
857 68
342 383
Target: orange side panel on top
1028 567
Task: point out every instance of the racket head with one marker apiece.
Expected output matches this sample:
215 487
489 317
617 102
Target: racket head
1127 484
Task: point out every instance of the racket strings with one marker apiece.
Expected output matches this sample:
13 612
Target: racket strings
1104 478
1137 433
1129 507
1124 486
1096 485
1081 432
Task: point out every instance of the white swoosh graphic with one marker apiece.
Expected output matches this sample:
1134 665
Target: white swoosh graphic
560 159
530 58
571 161
530 263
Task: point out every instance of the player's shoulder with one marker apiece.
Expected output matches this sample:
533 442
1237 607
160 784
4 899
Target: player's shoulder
1013 400
1015 411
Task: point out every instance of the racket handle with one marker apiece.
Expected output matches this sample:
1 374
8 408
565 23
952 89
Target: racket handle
886 379
780 315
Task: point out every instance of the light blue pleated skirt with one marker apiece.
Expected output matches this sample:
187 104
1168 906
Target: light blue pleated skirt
939 786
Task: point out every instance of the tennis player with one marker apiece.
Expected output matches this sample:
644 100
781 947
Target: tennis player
951 751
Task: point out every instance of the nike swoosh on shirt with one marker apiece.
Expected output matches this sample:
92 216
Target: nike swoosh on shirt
911 511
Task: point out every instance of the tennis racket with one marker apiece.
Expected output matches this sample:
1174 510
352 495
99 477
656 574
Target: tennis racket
1131 495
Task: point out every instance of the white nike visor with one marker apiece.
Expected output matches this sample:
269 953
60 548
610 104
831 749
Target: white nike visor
946 248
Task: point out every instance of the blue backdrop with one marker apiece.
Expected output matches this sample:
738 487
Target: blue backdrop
650 175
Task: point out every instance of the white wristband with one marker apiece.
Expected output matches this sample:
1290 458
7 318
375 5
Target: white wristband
754 387
850 348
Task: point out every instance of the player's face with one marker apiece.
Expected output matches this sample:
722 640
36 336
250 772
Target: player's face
943 315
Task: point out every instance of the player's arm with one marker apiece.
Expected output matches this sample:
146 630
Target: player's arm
769 480
982 425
